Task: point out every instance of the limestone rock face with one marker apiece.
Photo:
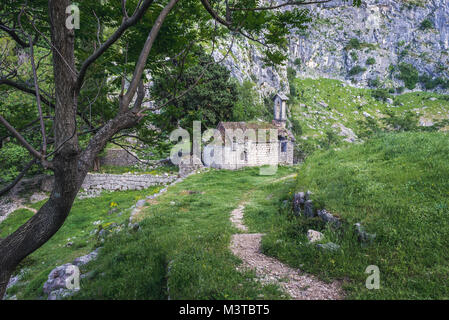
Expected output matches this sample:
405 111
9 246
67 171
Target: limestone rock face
389 33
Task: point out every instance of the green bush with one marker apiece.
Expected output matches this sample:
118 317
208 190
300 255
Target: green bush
380 94
431 83
247 107
374 83
409 75
356 70
407 121
370 61
12 158
297 62
354 43
426 24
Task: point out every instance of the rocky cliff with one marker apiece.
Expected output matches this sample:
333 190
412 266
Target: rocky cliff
383 43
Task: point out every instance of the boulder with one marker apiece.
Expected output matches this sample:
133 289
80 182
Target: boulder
59 278
314 236
328 218
308 209
298 200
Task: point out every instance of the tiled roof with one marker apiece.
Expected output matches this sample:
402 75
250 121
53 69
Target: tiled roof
282 132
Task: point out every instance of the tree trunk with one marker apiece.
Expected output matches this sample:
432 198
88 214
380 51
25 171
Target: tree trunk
70 165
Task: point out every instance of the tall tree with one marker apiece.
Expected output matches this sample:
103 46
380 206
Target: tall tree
114 48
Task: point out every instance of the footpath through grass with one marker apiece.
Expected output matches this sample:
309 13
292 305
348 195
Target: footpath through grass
182 249
397 186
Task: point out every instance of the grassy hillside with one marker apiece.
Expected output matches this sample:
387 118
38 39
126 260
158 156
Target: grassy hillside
181 249
323 105
397 186
77 237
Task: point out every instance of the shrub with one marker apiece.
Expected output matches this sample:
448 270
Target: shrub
430 83
401 122
370 61
409 75
380 94
354 43
12 157
374 83
426 24
297 62
356 70
400 90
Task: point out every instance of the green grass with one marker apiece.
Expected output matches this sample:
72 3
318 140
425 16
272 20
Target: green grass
397 186
347 104
182 250
76 229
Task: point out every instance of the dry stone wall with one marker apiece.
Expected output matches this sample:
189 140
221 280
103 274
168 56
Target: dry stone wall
115 182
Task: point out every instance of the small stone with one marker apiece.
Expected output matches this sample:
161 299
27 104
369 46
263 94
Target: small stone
314 236
362 235
58 278
328 218
298 200
330 246
140 203
308 195
308 209
80 261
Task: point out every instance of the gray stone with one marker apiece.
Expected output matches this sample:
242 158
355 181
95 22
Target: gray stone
308 195
314 236
140 203
60 294
80 261
58 278
328 218
13 281
362 235
308 209
298 200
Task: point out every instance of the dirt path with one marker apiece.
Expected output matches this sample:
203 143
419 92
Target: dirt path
298 285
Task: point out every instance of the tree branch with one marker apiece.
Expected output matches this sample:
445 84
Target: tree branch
13 34
127 23
22 140
38 98
141 62
18 178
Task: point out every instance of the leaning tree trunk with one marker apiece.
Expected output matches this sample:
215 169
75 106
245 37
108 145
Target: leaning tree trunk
70 165
53 213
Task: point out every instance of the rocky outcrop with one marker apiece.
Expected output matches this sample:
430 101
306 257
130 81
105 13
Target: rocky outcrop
388 33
